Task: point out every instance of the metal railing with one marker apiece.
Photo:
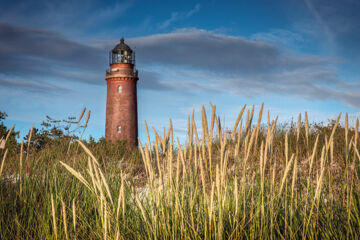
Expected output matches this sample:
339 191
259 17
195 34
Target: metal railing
109 72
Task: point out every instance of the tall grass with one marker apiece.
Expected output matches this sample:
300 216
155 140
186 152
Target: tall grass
298 181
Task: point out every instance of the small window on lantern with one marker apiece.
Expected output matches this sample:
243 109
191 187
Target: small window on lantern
119 89
119 129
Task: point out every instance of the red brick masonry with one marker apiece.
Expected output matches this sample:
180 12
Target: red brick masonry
121 107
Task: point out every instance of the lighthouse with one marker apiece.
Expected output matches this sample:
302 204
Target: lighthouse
121 101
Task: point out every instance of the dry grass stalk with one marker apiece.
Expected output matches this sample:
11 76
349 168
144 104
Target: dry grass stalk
147 163
87 119
248 123
202 173
122 191
170 166
210 139
106 186
20 164
182 157
74 215
77 175
211 208
286 149
251 116
346 128
238 120
333 131
64 219
81 115
92 175
205 137
331 153
356 151
53 216
29 141
287 169
157 153
9 132
143 157
213 117
2 143
294 175
143 212
274 125
298 129
236 193
236 152
87 151
205 126
250 144
319 180
148 135
3 161
259 122
307 129
190 138
356 131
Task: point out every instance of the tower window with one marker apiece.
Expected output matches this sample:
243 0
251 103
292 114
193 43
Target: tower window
119 129
119 89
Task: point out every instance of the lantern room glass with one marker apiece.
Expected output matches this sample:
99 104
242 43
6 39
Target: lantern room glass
121 57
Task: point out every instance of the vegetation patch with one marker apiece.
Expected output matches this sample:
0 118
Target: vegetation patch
255 181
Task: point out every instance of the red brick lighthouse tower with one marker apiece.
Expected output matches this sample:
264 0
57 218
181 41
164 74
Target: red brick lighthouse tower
121 102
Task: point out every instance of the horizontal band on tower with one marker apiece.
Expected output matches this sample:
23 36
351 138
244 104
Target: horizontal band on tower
121 78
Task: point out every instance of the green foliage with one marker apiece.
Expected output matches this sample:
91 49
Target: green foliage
54 130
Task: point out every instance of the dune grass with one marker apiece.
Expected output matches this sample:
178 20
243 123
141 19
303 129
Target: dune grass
257 181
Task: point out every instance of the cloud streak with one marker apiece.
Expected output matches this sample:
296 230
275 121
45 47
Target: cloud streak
33 86
215 52
244 66
41 54
177 16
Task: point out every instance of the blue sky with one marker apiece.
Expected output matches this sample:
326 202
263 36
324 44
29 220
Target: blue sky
293 55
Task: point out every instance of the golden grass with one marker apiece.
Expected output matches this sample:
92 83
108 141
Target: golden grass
256 182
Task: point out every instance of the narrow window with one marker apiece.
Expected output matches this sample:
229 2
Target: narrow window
119 129
119 89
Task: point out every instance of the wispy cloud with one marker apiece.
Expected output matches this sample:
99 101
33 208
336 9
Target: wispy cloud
317 15
217 52
335 24
193 11
177 16
46 54
151 81
246 67
284 37
113 11
33 86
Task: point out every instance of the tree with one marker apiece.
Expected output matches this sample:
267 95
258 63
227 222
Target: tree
54 130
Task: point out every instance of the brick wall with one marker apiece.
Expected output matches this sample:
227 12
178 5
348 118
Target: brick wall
121 107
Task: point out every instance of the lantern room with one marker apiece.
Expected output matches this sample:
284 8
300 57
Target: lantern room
122 53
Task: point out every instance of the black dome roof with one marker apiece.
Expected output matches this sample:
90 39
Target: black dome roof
122 47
